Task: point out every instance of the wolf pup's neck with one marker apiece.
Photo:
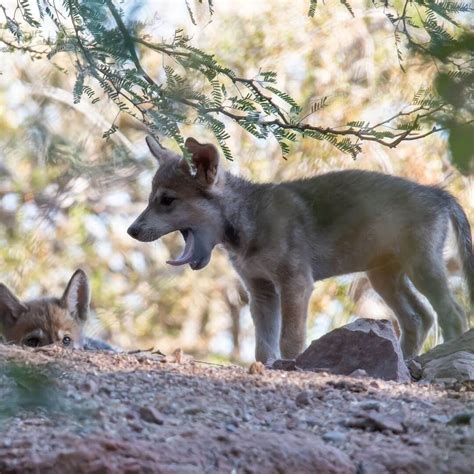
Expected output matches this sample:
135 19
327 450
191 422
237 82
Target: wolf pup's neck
238 201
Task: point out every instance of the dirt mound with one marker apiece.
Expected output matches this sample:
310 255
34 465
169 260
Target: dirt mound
84 412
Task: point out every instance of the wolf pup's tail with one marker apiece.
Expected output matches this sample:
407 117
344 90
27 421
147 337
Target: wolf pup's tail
464 238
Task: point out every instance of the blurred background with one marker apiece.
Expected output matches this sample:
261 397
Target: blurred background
67 195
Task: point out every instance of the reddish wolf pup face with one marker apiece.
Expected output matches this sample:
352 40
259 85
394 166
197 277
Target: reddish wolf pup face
46 320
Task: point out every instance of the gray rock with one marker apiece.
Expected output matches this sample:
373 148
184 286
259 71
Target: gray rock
464 343
369 405
365 344
463 418
194 410
284 364
150 415
458 366
439 418
92 344
303 399
89 386
334 436
375 422
359 373
415 369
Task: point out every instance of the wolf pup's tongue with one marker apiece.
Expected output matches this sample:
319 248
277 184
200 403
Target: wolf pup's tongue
187 255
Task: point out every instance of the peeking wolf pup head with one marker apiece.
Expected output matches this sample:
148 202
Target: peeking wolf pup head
50 320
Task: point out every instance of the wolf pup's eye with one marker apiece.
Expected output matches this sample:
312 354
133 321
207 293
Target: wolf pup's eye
66 341
32 341
167 200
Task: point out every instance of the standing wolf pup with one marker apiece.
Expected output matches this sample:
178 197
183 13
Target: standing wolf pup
283 237
46 321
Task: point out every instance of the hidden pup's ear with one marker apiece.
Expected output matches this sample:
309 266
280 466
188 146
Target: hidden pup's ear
77 296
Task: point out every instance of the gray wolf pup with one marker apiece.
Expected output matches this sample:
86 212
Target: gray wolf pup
46 321
281 238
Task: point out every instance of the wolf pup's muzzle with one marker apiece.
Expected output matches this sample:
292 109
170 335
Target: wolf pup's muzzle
133 231
137 231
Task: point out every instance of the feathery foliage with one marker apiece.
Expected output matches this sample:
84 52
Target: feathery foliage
431 29
194 87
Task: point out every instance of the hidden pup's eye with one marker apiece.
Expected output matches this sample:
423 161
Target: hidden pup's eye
66 341
167 200
32 341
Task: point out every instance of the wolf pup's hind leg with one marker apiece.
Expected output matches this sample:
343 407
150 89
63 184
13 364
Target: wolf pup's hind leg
389 283
425 313
429 277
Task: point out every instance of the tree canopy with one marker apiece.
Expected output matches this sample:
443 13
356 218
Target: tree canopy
106 45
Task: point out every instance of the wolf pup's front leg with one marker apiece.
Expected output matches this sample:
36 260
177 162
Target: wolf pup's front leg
295 294
266 315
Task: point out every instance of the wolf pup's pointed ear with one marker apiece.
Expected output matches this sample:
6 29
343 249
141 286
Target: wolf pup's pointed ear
206 160
77 296
161 154
10 306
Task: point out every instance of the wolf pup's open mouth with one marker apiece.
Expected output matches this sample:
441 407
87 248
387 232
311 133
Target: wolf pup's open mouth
188 252
196 250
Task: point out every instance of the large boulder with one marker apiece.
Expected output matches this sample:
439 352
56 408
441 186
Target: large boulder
452 360
365 344
463 343
458 366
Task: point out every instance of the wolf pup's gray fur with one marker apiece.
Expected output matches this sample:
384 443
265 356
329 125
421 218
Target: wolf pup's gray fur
283 237
47 321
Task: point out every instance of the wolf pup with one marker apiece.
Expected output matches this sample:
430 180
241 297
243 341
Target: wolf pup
46 321
283 237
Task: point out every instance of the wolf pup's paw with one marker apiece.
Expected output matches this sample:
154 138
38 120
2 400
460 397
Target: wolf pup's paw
91 344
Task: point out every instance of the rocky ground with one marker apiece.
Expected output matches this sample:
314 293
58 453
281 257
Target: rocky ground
91 412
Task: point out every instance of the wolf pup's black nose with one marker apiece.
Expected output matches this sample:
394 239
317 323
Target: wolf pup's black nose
133 231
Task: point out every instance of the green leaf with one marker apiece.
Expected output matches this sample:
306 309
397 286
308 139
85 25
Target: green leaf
460 143
348 6
78 89
312 8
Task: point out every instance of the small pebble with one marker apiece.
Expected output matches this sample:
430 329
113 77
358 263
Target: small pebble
334 436
411 440
194 410
150 415
292 423
439 418
358 373
463 418
303 399
256 368
369 405
231 428
88 386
